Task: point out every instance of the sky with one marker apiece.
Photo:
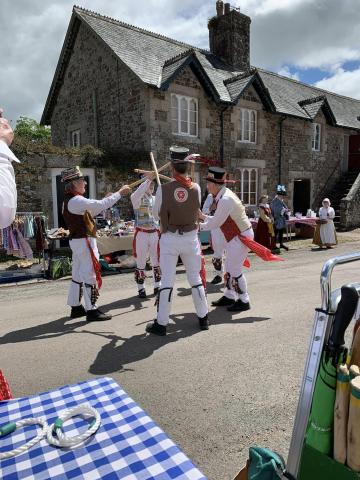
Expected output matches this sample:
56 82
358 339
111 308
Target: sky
313 41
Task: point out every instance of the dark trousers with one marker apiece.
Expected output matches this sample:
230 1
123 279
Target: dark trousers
279 233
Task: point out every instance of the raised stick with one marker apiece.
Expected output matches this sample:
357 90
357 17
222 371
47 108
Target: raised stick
155 168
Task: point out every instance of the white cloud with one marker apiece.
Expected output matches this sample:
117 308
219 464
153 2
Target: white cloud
285 71
284 33
344 83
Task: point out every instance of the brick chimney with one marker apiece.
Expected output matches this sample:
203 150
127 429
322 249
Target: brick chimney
229 36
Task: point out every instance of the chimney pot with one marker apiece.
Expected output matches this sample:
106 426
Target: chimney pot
227 8
219 8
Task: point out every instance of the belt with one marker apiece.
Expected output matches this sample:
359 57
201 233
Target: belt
145 230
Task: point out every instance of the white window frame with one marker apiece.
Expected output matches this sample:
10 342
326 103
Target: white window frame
75 138
316 137
240 192
178 120
245 135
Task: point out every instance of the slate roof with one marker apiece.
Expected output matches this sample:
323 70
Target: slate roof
157 59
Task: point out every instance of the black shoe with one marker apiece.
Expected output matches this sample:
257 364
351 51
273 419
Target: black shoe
77 312
156 290
142 293
156 329
217 279
284 247
97 316
204 323
239 306
223 302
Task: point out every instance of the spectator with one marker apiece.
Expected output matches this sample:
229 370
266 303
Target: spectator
280 213
265 233
325 234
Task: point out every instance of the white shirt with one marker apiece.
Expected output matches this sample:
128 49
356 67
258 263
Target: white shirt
224 207
79 204
8 194
139 193
207 204
158 201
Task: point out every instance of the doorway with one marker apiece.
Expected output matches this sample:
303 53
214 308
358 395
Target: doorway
301 198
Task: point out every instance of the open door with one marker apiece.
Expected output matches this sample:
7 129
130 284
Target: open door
301 199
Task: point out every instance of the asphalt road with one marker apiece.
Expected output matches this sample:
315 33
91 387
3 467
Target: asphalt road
215 393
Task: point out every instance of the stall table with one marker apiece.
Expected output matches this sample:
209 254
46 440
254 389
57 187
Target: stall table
111 244
290 223
128 445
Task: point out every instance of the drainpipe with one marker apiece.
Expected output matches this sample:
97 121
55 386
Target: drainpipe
222 136
280 146
95 119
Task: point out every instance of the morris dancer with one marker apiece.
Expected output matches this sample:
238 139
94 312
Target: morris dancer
218 241
230 216
78 213
177 204
8 194
146 239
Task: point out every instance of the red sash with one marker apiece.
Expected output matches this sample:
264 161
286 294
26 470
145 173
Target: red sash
96 264
231 230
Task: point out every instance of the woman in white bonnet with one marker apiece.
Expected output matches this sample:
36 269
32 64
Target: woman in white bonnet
327 228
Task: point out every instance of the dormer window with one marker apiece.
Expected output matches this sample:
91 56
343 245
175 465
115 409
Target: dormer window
316 138
248 126
184 115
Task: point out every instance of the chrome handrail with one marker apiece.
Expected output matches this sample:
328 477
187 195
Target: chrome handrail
325 277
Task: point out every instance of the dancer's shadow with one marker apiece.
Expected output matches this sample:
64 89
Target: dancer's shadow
135 302
210 288
120 351
57 328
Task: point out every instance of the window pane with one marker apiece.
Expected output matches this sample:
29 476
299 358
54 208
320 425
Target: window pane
183 127
193 116
193 129
246 125
253 126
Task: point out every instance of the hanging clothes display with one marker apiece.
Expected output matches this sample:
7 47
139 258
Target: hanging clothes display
27 225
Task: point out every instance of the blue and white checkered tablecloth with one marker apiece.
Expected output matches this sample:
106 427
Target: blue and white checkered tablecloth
128 444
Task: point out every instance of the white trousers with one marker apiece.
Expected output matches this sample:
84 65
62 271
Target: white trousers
236 252
147 246
218 243
188 247
83 274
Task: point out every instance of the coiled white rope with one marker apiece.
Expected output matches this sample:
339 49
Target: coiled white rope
11 427
55 434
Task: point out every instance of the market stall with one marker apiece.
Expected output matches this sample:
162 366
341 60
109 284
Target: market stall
122 441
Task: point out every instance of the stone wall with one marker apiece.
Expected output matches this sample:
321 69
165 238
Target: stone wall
101 97
349 207
34 182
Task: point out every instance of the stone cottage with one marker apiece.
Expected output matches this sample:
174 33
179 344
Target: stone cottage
124 89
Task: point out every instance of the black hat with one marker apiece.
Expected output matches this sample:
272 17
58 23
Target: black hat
216 175
178 154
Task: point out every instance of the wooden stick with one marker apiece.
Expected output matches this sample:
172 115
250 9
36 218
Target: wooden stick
164 177
341 414
353 433
160 169
141 180
155 168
